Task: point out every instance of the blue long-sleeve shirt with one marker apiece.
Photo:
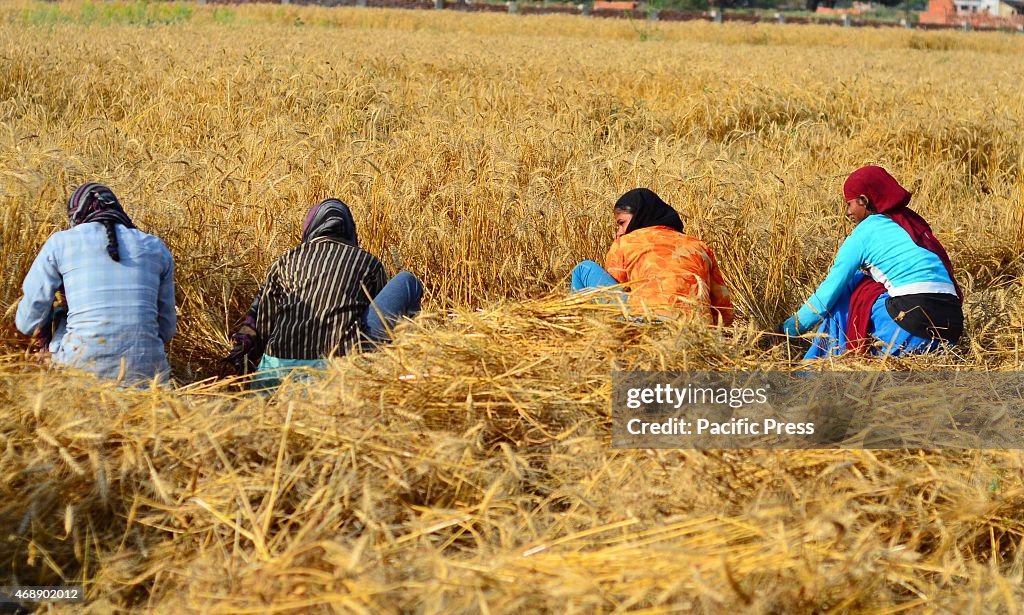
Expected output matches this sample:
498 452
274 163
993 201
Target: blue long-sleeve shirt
117 311
888 253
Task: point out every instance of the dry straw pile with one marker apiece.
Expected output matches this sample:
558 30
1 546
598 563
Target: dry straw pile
467 466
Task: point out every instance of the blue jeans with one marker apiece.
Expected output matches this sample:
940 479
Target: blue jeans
590 275
400 297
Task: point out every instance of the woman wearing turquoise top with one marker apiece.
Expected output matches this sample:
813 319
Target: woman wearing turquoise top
891 288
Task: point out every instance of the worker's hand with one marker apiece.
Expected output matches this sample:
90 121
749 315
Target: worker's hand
45 357
247 351
789 327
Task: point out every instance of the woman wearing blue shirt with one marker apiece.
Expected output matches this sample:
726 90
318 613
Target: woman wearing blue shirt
118 287
891 288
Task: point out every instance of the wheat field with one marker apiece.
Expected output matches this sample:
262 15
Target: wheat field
467 467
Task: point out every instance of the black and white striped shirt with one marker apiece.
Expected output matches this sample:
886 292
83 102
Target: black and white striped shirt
314 299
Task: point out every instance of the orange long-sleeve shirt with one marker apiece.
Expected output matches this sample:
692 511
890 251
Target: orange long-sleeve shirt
666 268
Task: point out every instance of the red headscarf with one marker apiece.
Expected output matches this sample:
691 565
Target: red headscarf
891 199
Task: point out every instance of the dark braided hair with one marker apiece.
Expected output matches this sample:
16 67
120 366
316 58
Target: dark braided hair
104 201
108 202
112 249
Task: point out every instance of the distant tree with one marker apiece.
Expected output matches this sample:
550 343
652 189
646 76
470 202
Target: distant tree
761 4
812 5
747 4
686 5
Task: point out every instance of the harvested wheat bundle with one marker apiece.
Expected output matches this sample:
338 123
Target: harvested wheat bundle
343 493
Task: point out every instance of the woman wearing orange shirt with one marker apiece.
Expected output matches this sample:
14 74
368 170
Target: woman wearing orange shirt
663 267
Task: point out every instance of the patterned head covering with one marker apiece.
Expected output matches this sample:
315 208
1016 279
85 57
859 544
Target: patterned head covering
330 218
94 202
648 210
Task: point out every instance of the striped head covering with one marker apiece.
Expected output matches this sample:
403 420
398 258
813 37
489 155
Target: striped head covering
330 218
95 202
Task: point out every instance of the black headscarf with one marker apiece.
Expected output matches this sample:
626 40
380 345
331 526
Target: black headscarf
648 210
330 218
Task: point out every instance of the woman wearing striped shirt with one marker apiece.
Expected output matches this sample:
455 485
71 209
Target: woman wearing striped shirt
316 302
